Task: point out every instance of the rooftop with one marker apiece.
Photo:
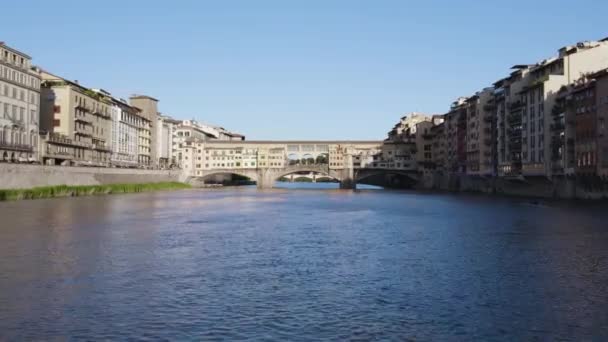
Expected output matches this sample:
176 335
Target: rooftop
3 44
136 96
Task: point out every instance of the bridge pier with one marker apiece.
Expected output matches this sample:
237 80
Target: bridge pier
265 179
347 181
348 184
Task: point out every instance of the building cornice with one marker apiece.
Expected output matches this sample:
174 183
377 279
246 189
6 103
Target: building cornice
296 142
3 45
19 85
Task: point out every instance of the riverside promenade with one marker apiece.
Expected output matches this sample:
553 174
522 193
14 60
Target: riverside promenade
23 176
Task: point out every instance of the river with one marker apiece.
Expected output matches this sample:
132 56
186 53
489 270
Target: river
286 264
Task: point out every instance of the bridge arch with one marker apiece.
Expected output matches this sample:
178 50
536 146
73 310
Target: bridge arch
205 177
327 174
404 178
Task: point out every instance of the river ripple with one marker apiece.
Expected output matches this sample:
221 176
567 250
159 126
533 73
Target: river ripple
234 264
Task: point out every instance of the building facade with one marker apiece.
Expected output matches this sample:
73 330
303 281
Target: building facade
166 131
127 123
19 106
456 134
148 133
579 145
77 123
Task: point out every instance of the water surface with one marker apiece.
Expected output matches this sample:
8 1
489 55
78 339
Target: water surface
286 264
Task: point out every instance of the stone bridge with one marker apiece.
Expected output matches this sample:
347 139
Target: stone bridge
265 162
265 178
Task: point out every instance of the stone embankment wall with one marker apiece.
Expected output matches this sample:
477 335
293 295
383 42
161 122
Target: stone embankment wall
541 187
21 176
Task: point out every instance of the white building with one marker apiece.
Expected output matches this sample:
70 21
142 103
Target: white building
126 124
166 129
19 106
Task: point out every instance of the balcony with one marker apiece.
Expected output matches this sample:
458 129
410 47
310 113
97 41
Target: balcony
82 108
539 81
16 122
515 105
16 147
84 132
533 169
83 118
558 126
101 147
489 107
50 153
99 113
514 119
59 139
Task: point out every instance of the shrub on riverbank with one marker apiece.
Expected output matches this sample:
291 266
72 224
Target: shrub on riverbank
86 190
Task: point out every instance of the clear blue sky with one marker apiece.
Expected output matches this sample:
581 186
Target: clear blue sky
315 69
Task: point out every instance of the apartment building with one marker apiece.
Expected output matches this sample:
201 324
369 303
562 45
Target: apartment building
601 91
148 134
480 133
527 141
439 148
406 127
127 123
487 132
19 106
579 144
456 130
509 108
424 144
471 110
166 130
76 121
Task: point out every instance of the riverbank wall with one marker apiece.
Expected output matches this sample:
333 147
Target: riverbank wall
532 187
21 176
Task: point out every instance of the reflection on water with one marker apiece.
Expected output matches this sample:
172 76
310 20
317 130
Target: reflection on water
320 186
286 264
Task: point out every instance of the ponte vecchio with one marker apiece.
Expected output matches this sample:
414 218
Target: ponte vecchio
266 161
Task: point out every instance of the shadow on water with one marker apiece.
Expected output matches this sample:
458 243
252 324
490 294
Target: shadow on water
320 186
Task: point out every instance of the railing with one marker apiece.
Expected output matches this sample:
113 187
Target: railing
82 107
83 118
16 147
489 107
101 114
558 126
